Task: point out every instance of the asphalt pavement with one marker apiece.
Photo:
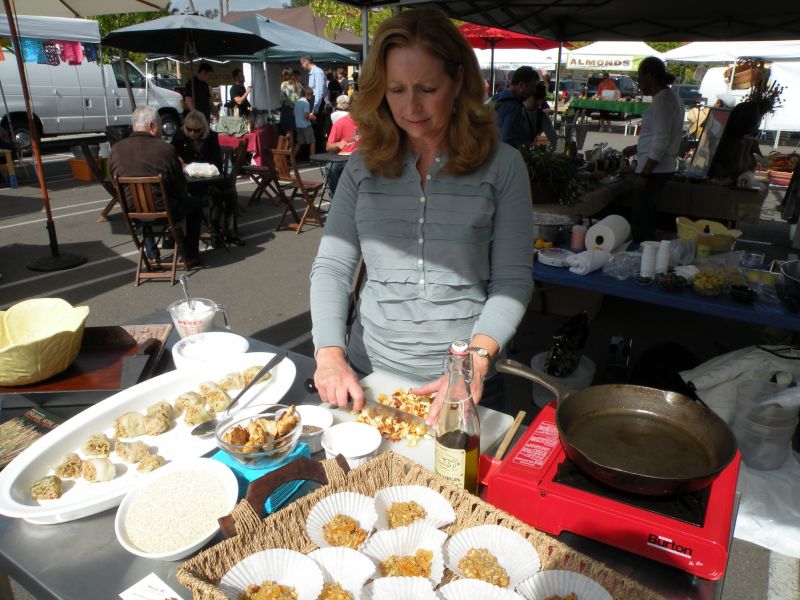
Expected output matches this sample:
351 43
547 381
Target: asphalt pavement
264 286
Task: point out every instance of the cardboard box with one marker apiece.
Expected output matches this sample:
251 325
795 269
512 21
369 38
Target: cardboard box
80 169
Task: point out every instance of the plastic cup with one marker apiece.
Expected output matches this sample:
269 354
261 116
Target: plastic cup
647 267
197 317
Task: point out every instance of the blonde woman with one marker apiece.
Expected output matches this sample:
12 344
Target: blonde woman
439 209
291 90
195 142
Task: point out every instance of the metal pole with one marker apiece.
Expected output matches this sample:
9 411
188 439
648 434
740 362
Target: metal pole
558 76
491 67
8 114
364 33
57 261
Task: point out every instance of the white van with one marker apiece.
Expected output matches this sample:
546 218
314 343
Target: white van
68 99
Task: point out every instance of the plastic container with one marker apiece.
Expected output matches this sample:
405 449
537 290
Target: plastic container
753 403
764 447
581 377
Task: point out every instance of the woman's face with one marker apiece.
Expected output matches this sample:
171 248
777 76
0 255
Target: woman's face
193 131
420 95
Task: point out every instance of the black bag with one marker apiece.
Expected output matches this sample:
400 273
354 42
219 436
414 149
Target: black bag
567 348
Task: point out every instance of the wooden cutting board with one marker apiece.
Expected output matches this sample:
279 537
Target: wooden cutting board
98 366
493 424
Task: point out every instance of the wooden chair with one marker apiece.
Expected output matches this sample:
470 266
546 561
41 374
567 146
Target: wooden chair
288 173
143 212
107 185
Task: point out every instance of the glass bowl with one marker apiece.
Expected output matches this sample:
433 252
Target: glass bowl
262 455
709 284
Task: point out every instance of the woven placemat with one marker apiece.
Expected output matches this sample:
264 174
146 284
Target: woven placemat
287 529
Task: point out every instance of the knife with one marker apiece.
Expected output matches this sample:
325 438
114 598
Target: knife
382 410
134 365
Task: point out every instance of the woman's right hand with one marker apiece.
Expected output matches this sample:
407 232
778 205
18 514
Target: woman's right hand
336 381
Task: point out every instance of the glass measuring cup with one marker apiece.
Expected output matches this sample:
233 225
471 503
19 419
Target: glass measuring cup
197 317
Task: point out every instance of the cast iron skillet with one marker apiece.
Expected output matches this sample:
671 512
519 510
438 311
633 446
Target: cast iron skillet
637 439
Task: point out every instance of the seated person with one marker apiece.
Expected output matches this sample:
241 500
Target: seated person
343 139
145 154
195 142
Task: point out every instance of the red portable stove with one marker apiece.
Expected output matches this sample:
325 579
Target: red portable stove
537 483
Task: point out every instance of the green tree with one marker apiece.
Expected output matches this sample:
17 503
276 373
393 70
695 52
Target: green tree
109 23
344 17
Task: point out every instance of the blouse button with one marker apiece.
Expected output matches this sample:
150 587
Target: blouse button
420 240
421 221
419 261
428 177
422 282
422 198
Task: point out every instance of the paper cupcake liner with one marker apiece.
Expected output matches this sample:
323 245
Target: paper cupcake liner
550 583
439 511
512 551
344 566
285 567
405 541
357 506
469 589
400 588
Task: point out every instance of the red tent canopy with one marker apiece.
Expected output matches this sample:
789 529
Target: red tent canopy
480 36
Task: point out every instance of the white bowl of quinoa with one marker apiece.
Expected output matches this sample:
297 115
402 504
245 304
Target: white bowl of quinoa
174 512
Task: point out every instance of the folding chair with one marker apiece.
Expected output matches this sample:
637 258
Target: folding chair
288 173
107 185
145 215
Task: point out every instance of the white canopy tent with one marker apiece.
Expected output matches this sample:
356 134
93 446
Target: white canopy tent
711 52
512 58
54 28
610 56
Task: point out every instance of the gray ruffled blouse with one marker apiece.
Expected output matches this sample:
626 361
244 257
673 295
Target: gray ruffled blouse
444 262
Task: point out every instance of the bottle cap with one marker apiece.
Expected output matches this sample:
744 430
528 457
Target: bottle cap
459 347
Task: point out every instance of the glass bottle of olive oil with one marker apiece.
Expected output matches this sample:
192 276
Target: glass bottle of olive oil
458 430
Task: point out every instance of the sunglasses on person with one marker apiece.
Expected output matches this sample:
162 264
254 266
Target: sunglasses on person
194 129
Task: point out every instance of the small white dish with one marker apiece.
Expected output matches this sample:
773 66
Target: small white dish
467 589
351 504
285 567
513 552
203 468
200 348
316 416
545 584
439 512
349 568
406 541
357 442
400 588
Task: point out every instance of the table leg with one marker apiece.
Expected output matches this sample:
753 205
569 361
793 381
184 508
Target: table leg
6 593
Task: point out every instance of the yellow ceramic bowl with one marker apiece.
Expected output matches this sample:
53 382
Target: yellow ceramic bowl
722 238
39 338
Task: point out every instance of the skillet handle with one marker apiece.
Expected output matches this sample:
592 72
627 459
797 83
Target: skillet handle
512 367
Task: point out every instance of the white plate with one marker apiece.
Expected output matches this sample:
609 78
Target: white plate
81 498
208 468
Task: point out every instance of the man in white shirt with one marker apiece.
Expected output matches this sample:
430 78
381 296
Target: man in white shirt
318 85
657 150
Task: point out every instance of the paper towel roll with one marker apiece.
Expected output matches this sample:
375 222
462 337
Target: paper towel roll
608 233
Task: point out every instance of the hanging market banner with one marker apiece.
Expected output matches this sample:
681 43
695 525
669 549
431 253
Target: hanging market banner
600 61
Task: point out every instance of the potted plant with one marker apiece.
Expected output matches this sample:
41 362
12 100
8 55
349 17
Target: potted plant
554 177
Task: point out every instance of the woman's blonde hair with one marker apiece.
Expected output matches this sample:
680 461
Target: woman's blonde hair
196 120
472 134
286 74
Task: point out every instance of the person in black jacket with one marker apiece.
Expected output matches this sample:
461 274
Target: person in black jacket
195 142
239 94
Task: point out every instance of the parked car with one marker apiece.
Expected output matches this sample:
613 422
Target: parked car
567 88
84 98
689 93
627 87
169 82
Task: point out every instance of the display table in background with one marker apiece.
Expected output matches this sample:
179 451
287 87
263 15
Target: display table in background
619 106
